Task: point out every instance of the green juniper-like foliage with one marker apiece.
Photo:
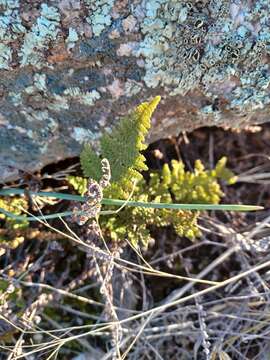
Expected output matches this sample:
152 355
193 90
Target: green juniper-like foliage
13 205
11 226
173 184
79 183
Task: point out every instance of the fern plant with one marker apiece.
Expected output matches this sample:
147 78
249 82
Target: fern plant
174 184
154 202
122 147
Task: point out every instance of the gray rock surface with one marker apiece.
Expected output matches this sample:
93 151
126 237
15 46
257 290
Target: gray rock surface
70 68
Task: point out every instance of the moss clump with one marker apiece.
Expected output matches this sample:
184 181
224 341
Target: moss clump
122 148
13 205
10 237
172 184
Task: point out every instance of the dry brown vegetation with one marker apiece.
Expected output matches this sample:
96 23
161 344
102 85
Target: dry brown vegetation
66 294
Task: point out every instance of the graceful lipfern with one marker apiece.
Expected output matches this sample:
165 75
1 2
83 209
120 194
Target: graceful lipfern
122 147
173 184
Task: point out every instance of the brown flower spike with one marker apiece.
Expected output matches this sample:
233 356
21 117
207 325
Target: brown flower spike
94 195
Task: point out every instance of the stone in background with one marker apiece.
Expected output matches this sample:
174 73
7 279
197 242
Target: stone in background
70 68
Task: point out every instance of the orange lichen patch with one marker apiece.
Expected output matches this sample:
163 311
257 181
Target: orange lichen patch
58 54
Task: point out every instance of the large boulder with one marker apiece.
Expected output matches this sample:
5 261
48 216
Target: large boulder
70 68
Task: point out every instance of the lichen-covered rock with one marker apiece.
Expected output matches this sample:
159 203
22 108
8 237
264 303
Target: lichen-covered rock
70 68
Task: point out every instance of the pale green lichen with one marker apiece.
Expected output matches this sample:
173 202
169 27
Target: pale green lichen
87 98
72 38
43 126
10 20
132 88
37 41
254 93
38 85
189 45
55 102
5 56
83 135
16 98
58 103
40 82
10 27
37 116
99 14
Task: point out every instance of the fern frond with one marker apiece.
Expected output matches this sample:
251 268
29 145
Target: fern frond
122 147
90 163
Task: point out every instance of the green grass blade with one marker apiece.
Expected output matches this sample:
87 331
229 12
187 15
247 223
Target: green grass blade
35 218
57 195
226 207
115 202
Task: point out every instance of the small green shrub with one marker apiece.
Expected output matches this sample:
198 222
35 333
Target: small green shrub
174 184
10 237
13 205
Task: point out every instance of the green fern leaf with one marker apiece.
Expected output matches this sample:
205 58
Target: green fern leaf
125 155
122 147
174 183
90 163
